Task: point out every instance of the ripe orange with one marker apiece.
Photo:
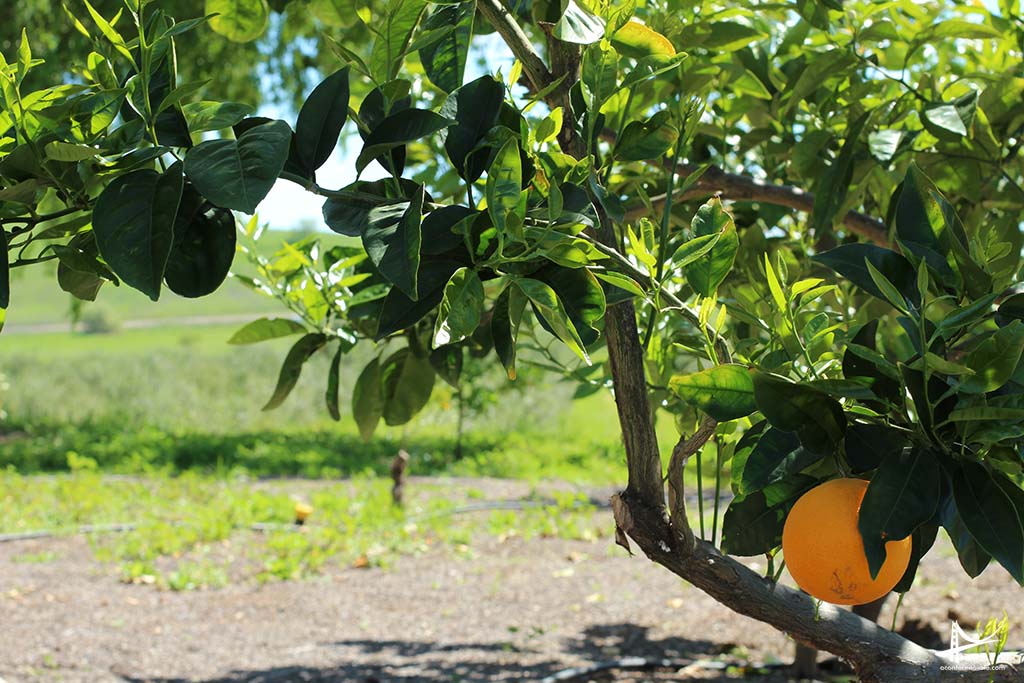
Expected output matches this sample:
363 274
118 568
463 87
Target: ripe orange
823 549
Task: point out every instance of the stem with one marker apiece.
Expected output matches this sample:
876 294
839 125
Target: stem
718 489
700 493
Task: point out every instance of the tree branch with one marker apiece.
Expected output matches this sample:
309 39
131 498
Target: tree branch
517 40
744 188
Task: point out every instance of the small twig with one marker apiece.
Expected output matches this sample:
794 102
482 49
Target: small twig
676 464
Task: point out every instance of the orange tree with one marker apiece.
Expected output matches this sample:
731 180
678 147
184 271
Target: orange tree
795 230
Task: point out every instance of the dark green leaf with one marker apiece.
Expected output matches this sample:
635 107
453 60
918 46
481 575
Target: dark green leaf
831 191
504 185
777 456
398 129
551 309
922 541
321 119
400 312
474 108
203 248
368 399
394 245
447 363
292 367
816 417
867 445
265 329
331 397
238 174
204 116
134 225
5 272
753 523
990 516
903 495
445 60
725 392
581 295
407 382
972 556
849 261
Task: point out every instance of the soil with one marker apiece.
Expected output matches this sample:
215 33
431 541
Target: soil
510 610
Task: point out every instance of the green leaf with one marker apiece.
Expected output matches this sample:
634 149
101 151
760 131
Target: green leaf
394 245
972 556
238 174
550 307
368 399
600 74
394 26
753 523
445 60
581 294
265 329
505 320
110 33
461 308
407 382
889 291
830 193
579 25
639 40
994 359
903 495
5 272
868 444
292 367
776 456
960 28
475 108
708 272
647 140
321 119
504 185
990 516
204 116
399 129
400 312
240 21
725 392
203 247
63 151
447 363
849 261
951 120
986 413
134 225
331 397
816 417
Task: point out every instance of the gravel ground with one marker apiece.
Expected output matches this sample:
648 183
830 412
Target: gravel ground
509 610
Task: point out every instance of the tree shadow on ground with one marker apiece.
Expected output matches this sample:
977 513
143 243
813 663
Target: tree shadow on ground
407 661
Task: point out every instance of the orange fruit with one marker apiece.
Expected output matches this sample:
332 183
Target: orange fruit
823 550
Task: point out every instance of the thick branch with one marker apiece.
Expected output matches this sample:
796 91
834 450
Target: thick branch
877 653
517 40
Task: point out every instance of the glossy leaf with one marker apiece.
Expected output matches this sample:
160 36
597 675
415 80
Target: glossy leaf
550 307
331 395
134 225
445 60
639 40
816 417
504 185
394 245
474 107
321 119
461 308
505 321
394 23
238 174
292 367
849 261
710 270
776 456
994 359
753 523
725 392
399 129
647 140
203 247
579 25
903 495
990 516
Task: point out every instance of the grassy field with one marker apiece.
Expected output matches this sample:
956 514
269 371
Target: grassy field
161 425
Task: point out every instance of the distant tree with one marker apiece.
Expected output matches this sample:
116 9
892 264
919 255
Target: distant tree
801 240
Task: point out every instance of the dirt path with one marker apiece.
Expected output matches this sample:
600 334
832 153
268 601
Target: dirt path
508 610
